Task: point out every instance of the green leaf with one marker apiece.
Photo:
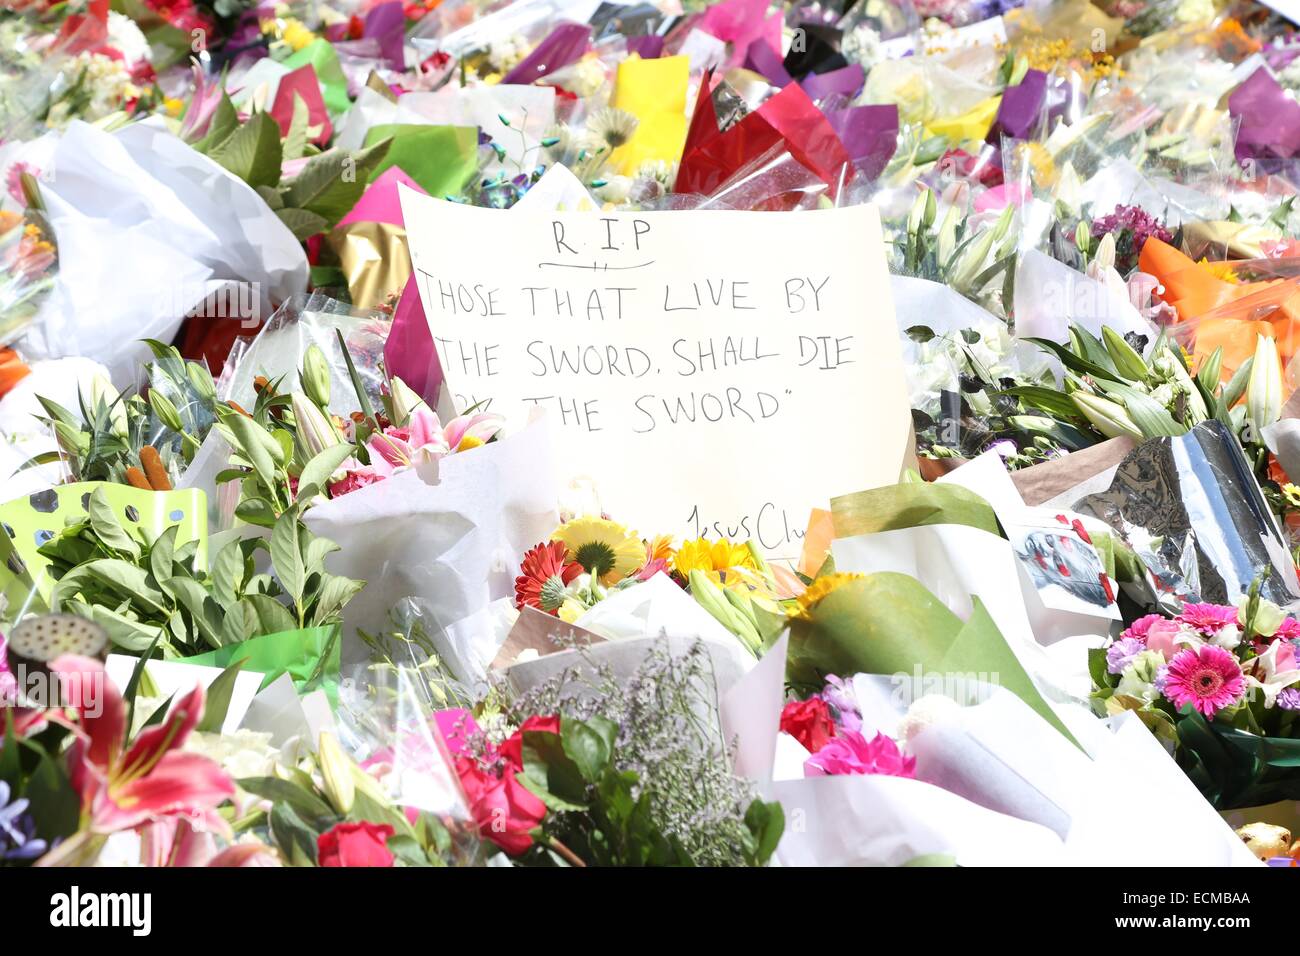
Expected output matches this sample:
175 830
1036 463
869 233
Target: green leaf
224 122
106 527
317 471
126 633
586 747
295 141
256 511
1050 400
228 571
160 555
253 152
271 197
1236 386
766 822
260 450
336 592
303 223
269 616
1147 414
54 805
331 183
159 712
126 579
1073 362
137 674
217 704
363 399
551 773
286 556
296 840
304 802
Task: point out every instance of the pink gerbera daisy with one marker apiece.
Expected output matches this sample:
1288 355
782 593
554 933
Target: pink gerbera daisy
1208 619
1288 630
1206 677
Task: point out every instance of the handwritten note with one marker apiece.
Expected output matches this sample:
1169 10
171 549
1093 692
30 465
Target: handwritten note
715 373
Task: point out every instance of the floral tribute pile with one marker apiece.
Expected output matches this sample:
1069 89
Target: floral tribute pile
272 594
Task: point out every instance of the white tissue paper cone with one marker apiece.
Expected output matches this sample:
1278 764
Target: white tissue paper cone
454 544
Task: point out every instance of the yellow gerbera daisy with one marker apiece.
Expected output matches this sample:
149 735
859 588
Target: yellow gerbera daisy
604 548
1224 271
819 589
723 562
660 547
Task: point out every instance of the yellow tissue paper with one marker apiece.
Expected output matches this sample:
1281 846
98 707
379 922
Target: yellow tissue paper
654 91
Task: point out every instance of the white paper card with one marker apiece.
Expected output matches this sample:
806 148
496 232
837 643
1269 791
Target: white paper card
677 352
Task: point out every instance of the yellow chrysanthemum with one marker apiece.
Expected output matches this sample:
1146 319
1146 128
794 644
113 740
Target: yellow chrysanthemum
723 562
173 106
296 35
604 548
820 588
1223 271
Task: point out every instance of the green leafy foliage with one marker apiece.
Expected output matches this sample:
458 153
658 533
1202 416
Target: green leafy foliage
150 592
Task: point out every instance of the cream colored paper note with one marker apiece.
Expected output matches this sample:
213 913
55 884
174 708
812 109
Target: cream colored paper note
717 373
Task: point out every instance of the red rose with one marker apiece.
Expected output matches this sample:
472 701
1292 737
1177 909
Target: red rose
355 844
809 722
503 808
513 747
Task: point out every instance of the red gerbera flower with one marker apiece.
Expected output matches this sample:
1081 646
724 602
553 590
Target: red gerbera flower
545 574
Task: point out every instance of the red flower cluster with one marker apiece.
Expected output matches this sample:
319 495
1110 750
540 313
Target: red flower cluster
355 844
505 811
809 722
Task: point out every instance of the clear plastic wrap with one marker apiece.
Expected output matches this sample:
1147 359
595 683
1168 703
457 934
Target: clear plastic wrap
302 321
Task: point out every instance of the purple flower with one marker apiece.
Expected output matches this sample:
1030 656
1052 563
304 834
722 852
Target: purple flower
839 694
1132 226
1120 654
1289 699
17 830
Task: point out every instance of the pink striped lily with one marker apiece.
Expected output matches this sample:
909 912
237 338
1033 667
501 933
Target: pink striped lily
423 439
127 784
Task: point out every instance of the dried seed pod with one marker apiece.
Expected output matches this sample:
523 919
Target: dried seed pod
39 639
135 477
154 470
1266 840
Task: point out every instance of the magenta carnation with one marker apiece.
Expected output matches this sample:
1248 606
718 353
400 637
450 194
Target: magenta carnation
851 753
1207 677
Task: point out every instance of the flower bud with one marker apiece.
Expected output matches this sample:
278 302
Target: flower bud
1264 389
336 773
1109 418
314 431
403 401
162 407
315 376
102 391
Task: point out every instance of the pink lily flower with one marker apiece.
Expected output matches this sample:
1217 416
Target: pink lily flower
202 108
479 429
421 440
127 784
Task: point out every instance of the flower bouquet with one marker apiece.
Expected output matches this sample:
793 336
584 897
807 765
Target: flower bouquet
1221 684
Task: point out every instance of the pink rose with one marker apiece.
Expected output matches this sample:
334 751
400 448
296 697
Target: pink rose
1161 636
